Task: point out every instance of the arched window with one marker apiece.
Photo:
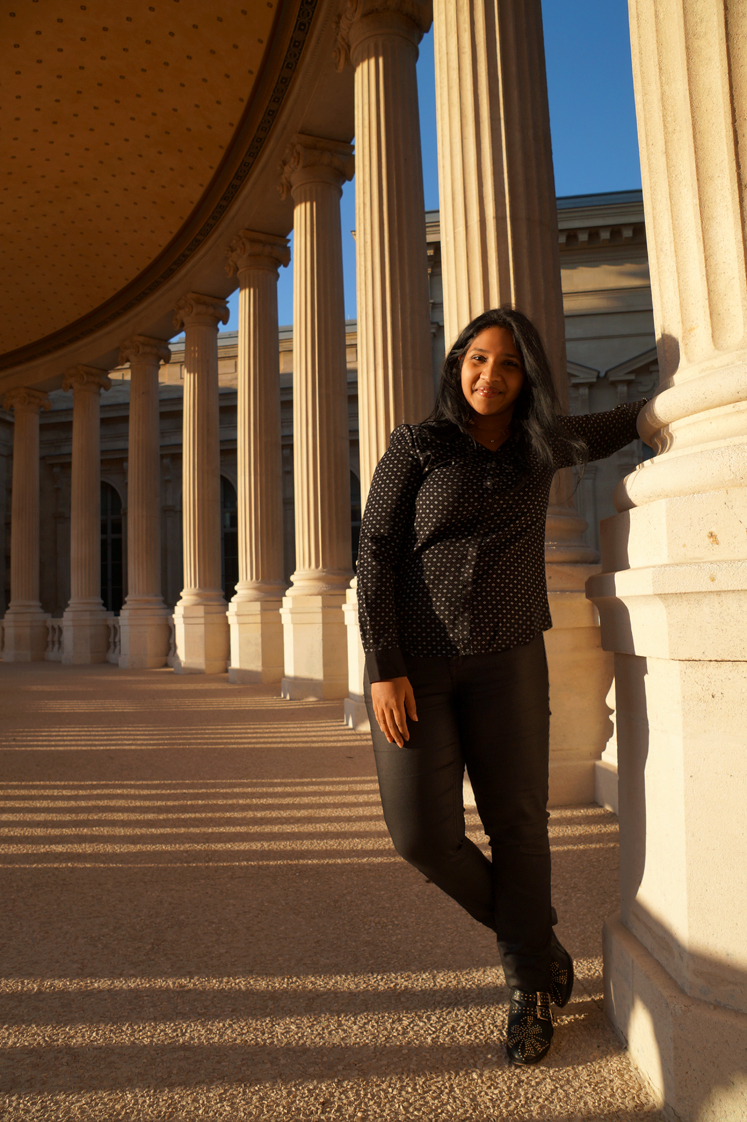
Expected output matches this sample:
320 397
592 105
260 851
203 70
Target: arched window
355 514
229 537
112 590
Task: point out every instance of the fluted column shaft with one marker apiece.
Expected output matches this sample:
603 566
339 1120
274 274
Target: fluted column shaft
499 237
144 630
25 623
85 486
202 635
379 38
144 474
673 594
85 630
314 170
395 381
24 526
690 72
253 615
320 414
255 259
200 316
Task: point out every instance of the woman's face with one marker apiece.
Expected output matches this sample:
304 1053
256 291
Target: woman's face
492 373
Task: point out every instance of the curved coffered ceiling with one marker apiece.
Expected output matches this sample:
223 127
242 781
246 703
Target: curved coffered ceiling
123 124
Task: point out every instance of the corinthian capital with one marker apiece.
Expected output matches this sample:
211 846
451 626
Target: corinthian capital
143 348
88 378
309 158
28 400
251 250
195 309
361 18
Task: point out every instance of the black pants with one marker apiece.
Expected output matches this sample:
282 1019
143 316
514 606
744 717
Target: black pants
490 712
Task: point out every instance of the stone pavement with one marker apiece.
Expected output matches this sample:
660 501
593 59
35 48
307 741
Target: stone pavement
203 918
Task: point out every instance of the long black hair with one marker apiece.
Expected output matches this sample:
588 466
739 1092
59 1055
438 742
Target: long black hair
536 421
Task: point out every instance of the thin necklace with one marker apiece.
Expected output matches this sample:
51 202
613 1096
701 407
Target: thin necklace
492 439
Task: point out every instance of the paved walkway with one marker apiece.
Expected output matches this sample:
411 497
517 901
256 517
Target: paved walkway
203 918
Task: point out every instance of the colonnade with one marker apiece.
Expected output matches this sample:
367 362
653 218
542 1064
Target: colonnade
672 594
295 636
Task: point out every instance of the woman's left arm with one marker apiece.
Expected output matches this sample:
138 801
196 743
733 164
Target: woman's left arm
603 433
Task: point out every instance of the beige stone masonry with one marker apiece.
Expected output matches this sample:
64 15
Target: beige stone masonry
673 593
200 623
24 625
313 172
254 612
143 620
84 622
499 245
395 384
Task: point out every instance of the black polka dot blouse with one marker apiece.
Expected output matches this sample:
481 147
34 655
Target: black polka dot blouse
451 558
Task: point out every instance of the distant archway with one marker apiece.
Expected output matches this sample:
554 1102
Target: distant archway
229 537
112 549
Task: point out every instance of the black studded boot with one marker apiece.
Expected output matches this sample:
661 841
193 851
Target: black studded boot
529 1027
561 973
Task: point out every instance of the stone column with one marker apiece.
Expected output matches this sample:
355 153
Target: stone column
313 171
499 245
84 622
144 627
673 592
395 382
25 624
200 621
254 612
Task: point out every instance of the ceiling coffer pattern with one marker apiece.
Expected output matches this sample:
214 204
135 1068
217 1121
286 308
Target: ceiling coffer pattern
117 249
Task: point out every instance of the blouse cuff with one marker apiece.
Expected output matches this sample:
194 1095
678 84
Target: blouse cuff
386 664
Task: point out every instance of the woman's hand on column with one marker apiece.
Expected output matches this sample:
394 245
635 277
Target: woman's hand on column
393 702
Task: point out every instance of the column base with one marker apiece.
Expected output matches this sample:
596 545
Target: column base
691 1052
144 637
256 631
85 636
356 715
580 677
315 647
605 786
25 635
202 640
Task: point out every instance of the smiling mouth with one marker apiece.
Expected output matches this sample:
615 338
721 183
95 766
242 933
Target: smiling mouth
485 391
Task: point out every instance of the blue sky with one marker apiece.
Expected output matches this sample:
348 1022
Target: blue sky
592 119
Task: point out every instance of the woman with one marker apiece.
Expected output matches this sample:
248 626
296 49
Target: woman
452 605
